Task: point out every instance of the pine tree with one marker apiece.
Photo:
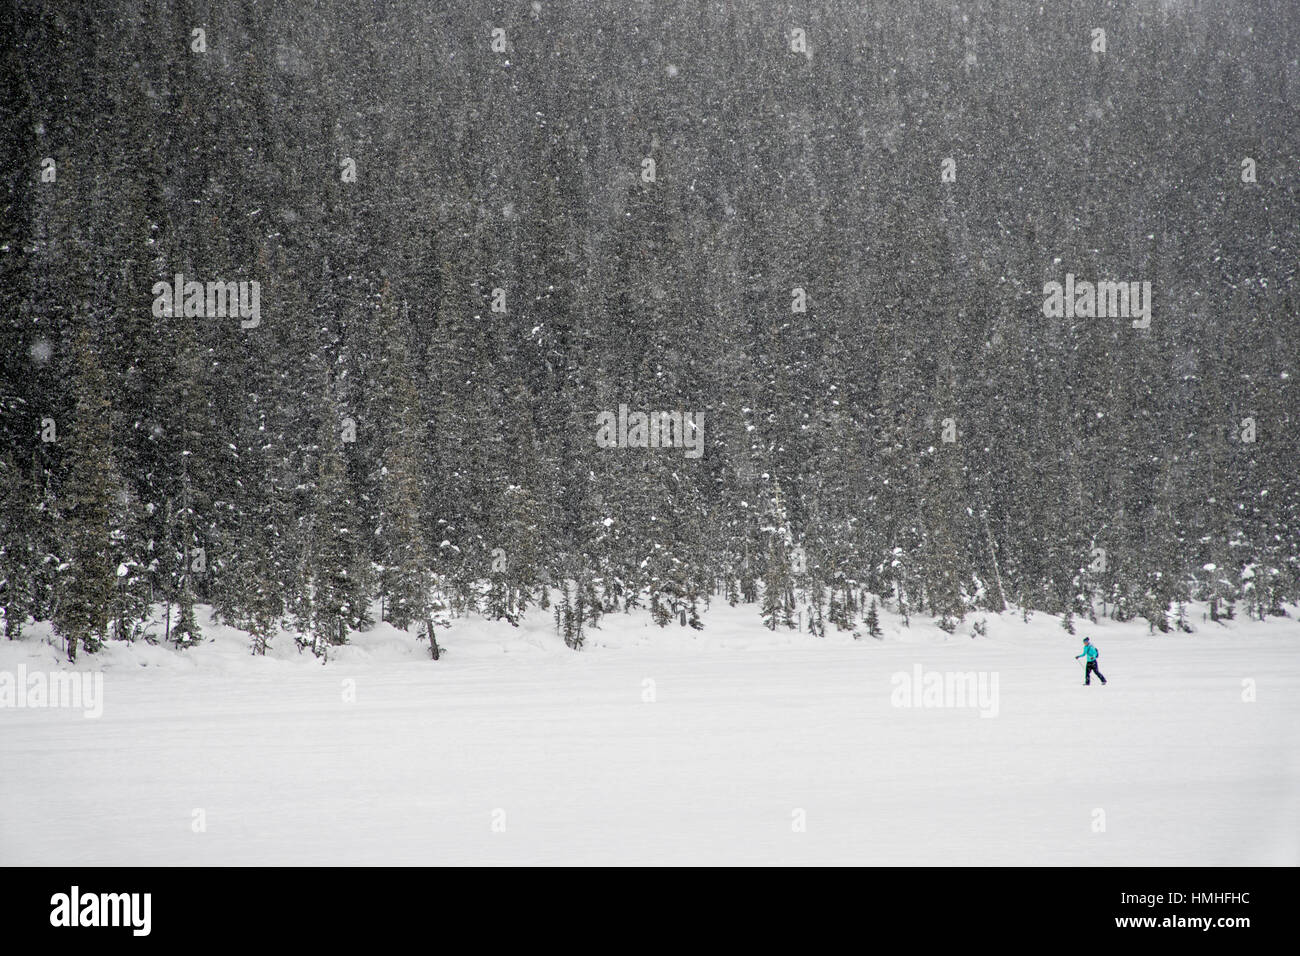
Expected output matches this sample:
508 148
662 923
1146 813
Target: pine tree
817 610
189 485
778 580
17 548
186 631
189 559
260 579
873 621
570 614
404 555
85 504
131 605
338 598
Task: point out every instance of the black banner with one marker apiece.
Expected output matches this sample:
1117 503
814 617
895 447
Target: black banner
150 906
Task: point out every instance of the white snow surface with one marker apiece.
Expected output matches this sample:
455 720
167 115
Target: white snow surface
757 748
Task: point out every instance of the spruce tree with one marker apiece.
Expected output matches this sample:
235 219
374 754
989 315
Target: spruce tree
17 548
338 597
398 418
873 621
128 548
85 504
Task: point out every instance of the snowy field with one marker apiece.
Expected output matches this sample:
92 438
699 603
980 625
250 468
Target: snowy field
733 745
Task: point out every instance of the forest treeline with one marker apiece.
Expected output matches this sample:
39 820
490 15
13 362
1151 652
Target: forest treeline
821 229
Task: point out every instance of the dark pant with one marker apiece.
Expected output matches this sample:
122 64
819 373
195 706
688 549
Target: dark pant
1092 669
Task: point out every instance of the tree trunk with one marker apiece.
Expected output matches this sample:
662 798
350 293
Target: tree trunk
997 573
433 640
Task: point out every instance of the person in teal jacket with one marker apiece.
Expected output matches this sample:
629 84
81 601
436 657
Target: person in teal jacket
1090 653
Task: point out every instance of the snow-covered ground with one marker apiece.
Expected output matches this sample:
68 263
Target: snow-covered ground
731 745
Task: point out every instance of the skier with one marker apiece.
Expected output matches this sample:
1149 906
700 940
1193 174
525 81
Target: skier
1091 653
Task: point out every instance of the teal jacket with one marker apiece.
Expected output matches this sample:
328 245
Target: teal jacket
1089 651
